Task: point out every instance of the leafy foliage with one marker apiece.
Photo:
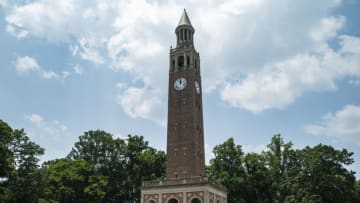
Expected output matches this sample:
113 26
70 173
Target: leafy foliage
103 168
283 174
24 181
125 163
72 181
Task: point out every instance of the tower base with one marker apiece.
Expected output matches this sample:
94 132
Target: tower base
190 190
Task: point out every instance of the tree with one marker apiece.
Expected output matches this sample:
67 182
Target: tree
143 163
227 168
72 181
107 156
278 159
282 174
258 179
125 163
321 176
6 159
25 183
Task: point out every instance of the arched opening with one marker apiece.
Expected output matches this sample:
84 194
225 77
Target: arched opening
181 61
151 201
173 200
195 200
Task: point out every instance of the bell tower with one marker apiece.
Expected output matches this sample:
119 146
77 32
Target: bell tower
185 180
185 136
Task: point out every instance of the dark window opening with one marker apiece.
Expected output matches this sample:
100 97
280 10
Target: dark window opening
195 200
188 60
173 200
181 61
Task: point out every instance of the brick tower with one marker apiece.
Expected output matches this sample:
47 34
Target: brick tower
185 181
185 137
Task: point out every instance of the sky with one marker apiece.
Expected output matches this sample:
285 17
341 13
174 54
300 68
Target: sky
268 67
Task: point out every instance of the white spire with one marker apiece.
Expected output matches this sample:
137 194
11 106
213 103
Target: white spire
184 20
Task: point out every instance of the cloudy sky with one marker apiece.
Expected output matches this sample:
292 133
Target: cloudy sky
280 66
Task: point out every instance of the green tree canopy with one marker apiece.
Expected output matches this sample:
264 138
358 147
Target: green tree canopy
21 157
125 163
283 174
72 181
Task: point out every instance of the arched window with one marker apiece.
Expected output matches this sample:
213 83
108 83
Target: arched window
173 200
195 200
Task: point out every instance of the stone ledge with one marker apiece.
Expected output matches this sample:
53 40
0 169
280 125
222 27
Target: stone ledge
179 182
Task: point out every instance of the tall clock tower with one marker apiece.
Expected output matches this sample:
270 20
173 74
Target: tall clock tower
185 181
185 135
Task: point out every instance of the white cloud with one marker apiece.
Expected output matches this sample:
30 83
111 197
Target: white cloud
78 70
120 85
74 49
65 74
49 75
328 28
89 50
350 44
50 134
53 128
53 75
3 3
343 124
264 60
140 103
26 64
281 83
34 118
17 32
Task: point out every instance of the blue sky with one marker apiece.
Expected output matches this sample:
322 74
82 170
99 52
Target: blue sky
289 67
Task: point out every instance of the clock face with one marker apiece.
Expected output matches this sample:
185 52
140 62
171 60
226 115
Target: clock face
197 87
180 84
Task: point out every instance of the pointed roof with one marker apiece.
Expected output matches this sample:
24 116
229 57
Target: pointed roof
184 20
